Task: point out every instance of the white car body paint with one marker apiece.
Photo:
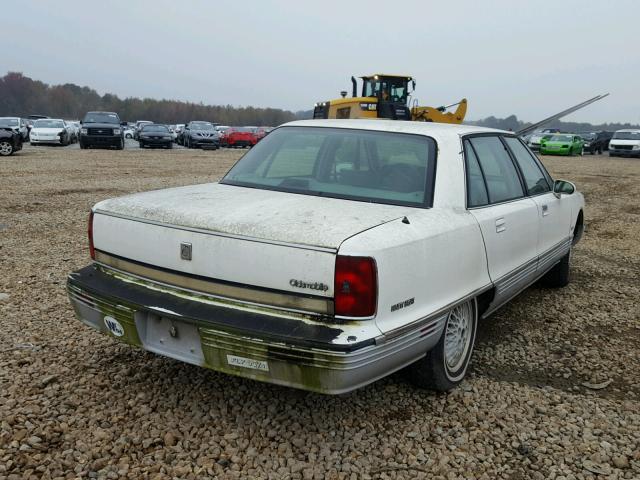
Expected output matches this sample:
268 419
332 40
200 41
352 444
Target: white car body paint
427 259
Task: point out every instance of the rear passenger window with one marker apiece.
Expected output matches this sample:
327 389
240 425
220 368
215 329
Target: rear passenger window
476 188
500 174
534 179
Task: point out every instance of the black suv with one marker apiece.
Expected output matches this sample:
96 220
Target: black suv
596 142
103 129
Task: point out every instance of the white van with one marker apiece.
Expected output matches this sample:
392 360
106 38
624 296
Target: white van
625 143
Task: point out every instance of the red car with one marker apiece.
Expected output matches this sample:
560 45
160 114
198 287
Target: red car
239 137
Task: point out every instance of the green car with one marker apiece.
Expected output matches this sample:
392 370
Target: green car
562 144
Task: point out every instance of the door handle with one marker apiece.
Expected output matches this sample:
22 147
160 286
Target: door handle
545 210
501 225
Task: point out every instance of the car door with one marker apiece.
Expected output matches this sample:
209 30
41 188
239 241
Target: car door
508 220
554 213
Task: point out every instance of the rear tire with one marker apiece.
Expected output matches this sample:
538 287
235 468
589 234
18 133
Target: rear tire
445 365
559 275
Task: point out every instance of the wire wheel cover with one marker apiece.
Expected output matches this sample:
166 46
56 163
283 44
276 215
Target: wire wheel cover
457 340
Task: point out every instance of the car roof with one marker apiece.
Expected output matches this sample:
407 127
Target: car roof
421 128
628 130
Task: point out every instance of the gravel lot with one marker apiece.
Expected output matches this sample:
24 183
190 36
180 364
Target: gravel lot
74 403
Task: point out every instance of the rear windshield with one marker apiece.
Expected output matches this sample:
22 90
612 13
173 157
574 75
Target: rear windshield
362 165
588 136
101 117
155 128
627 135
48 124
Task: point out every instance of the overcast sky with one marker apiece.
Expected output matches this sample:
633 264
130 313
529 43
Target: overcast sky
506 57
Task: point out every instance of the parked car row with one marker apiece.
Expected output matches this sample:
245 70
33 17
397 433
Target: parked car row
106 129
620 143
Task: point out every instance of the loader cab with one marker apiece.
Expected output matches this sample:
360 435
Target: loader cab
387 88
391 92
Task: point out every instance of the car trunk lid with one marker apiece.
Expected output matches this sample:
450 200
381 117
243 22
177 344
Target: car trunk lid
267 239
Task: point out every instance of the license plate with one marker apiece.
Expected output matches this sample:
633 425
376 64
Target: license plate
243 362
170 337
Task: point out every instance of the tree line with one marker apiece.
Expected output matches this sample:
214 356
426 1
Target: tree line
21 96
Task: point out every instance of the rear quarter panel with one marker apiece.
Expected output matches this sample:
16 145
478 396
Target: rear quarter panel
430 263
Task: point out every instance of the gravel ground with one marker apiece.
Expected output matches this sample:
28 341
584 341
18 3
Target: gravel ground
74 403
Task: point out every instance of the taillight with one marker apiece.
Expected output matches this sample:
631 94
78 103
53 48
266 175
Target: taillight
355 286
92 250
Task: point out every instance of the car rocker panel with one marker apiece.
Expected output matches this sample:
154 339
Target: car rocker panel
323 293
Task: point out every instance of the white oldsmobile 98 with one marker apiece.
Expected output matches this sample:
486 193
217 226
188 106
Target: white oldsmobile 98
332 254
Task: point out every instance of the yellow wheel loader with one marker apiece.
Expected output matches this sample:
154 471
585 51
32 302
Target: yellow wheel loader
387 96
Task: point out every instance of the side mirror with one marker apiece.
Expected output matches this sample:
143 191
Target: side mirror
123 124
561 187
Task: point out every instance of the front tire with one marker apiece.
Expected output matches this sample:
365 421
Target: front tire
6 148
445 366
120 145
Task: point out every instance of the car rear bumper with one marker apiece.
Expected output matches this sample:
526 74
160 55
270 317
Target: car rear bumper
279 349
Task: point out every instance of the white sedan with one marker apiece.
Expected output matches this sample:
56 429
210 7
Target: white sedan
50 131
332 254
